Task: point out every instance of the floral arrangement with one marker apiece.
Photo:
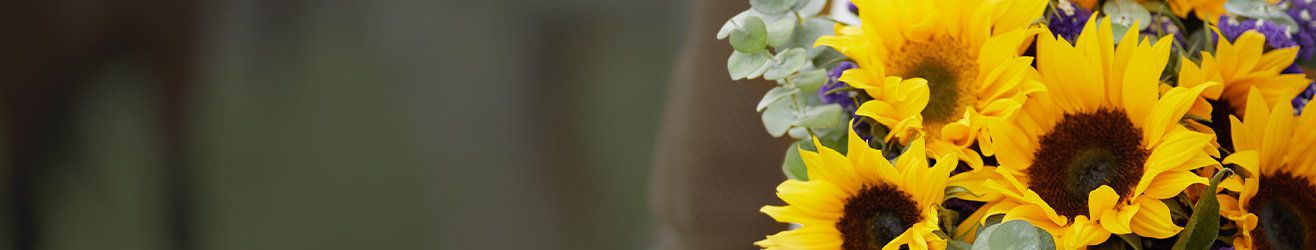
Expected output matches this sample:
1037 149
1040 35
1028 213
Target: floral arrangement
1036 124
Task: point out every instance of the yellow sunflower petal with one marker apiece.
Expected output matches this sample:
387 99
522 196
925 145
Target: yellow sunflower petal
1153 219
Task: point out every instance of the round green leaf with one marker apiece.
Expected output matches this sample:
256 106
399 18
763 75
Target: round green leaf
743 66
793 166
750 35
1015 234
774 95
1127 12
786 63
780 32
823 116
772 7
810 80
778 117
810 7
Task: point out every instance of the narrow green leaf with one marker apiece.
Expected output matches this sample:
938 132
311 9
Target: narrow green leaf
750 35
775 94
793 166
1204 225
1131 239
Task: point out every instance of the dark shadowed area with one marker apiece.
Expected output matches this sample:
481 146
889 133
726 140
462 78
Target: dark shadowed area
333 124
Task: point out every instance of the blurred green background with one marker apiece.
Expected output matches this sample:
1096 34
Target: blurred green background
402 124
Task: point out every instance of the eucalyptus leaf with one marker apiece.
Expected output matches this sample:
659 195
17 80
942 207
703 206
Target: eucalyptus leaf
1118 30
809 31
1204 225
786 63
793 166
730 25
747 66
988 222
1015 234
958 245
779 116
775 95
772 7
1255 9
823 116
780 32
1127 12
750 35
810 81
809 7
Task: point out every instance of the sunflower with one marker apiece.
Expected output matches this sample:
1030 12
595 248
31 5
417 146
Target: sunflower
1096 153
1207 10
967 50
1240 66
1275 208
861 201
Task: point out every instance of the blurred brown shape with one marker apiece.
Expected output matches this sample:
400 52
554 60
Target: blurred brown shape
715 164
57 44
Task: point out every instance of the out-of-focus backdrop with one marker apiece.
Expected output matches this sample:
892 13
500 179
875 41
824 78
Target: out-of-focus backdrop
342 124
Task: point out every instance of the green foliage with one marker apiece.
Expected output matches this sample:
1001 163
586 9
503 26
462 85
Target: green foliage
774 40
772 7
1204 225
1124 14
821 116
746 66
1261 10
779 116
750 36
786 63
793 166
774 95
1015 234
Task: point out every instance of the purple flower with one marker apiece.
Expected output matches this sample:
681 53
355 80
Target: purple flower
853 9
1162 25
1302 11
829 92
1303 98
1277 36
1069 20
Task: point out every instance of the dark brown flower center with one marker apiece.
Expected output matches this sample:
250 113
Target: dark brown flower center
1083 152
950 69
1220 112
1283 205
876 216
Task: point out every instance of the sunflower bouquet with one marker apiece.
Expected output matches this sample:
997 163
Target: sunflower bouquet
1036 124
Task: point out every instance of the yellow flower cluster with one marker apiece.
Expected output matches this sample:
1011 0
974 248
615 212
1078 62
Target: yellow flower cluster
1084 139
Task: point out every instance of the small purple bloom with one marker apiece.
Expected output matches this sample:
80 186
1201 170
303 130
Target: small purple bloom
1069 20
843 98
1277 36
1304 98
1162 25
1302 11
853 9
